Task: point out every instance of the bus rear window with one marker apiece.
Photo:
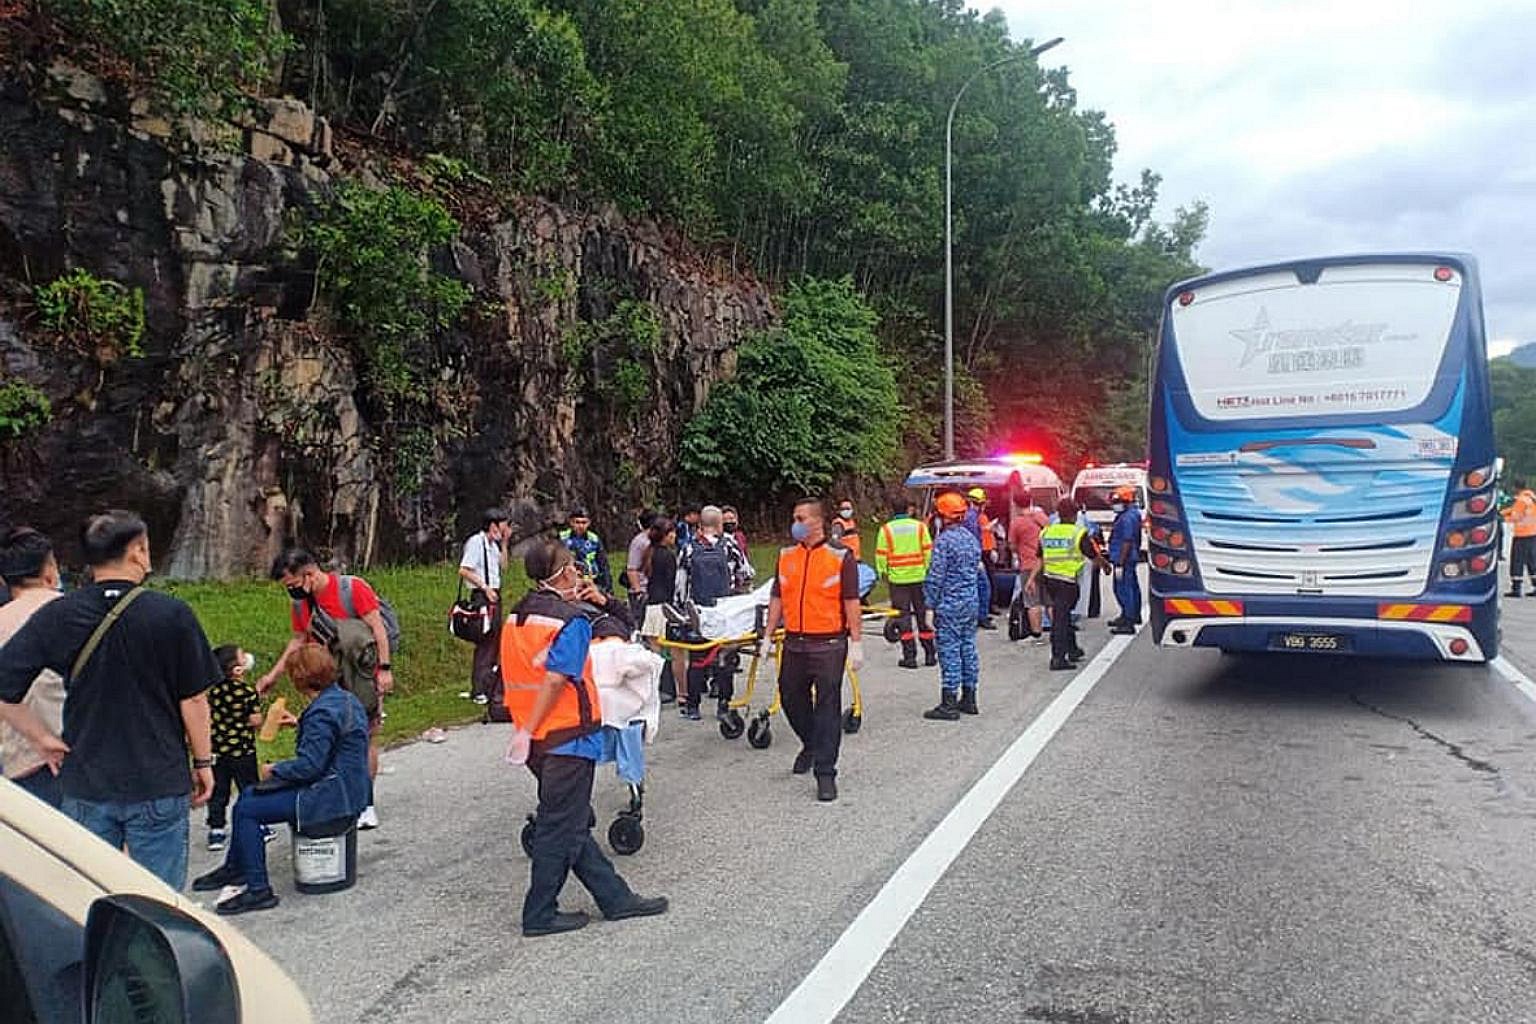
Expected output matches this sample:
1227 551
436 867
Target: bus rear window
1362 339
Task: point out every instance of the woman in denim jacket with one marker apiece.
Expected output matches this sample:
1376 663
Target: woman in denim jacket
321 789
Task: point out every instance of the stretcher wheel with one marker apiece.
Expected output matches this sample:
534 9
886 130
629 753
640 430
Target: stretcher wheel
892 631
852 722
760 733
526 837
626 835
732 725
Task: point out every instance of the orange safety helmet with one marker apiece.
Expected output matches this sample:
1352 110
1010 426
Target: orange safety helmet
1126 494
950 505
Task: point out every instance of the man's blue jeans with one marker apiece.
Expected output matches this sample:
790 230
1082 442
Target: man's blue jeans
154 832
247 846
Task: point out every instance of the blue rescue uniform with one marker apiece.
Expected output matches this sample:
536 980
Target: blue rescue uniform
950 591
1126 533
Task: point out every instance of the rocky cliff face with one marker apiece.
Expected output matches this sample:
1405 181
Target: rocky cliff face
243 427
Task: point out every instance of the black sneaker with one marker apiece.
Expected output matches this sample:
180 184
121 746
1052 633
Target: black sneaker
1123 630
640 906
1116 623
803 762
1061 665
907 663
218 878
561 922
826 788
1077 655
930 660
986 623
247 900
967 705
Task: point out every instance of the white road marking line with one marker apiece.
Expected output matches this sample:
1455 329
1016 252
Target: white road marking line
1522 681
829 986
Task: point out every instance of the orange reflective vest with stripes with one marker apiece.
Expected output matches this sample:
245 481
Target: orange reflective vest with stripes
903 551
1522 514
526 638
810 586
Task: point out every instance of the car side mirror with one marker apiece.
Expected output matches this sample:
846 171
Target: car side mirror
146 960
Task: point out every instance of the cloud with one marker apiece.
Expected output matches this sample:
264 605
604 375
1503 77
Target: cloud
1320 126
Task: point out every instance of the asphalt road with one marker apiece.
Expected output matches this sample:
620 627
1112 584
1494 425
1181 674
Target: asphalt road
1206 839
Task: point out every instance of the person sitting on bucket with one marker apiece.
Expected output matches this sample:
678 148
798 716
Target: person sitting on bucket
321 789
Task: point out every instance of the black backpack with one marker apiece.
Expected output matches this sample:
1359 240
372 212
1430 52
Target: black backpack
709 571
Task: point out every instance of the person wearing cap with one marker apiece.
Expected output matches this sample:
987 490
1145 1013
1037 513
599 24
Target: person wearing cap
557 718
845 530
816 599
587 548
1066 548
1124 546
950 590
980 525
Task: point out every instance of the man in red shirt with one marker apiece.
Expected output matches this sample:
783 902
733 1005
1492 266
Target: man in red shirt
312 588
1024 542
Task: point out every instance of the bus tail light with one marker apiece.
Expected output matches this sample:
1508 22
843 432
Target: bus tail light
1478 564
1181 567
1451 570
1474 507
1444 274
1164 508
1456 539
1161 559
1157 484
1480 534
1459 647
1185 298
1477 478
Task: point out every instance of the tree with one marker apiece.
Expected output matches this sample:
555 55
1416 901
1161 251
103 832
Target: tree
812 401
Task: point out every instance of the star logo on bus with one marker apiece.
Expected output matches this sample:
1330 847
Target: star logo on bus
1256 338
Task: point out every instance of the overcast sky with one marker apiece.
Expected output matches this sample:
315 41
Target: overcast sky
1320 127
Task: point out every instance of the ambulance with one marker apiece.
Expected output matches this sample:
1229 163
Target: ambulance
1095 485
1006 479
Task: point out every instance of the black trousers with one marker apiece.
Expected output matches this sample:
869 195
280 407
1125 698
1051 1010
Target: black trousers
563 843
911 611
704 666
239 771
1522 559
1061 595
811 690
483 677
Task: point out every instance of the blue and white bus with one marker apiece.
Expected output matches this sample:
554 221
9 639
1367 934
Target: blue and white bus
1321 461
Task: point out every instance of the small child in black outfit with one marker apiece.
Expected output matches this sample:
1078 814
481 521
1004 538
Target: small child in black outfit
236 713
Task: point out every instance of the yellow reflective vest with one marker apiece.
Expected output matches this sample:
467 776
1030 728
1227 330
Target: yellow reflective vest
903 551
1061 548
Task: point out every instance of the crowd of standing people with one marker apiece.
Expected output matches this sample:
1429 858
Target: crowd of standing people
115 708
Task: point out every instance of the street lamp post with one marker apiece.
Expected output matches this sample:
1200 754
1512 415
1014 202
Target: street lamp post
949 242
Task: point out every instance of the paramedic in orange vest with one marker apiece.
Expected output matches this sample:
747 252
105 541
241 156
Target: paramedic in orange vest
845 530
1522 523
816 599
558 731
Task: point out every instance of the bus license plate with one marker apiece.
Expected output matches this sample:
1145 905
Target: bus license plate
1311 642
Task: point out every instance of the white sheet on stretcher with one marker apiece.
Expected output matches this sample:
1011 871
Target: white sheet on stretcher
734 616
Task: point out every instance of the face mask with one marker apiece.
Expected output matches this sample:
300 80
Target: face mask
297 593
846 513
800 531
249 661
730 527
1118 506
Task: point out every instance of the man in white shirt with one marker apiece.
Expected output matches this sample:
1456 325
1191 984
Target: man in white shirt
485 555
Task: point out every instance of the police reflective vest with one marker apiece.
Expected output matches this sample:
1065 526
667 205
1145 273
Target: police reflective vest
1522 514
810 584
903 551
1061 547
526 638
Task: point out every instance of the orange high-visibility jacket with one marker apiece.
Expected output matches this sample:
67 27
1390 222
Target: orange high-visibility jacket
810 585
526 638
1522 514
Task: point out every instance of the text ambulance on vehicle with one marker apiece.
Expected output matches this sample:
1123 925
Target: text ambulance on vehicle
1095 486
